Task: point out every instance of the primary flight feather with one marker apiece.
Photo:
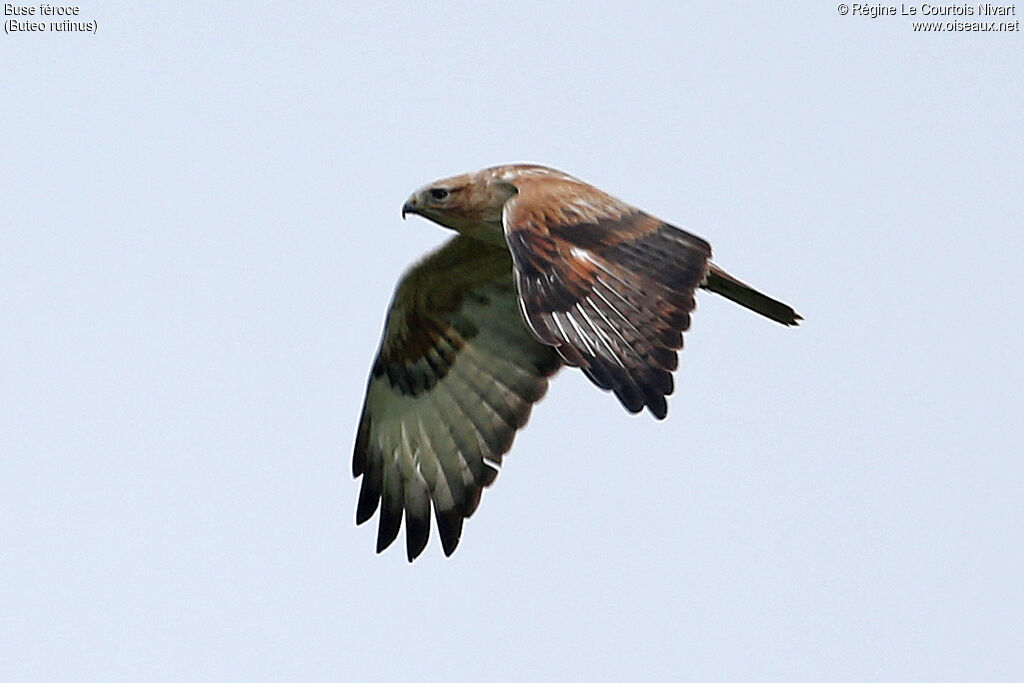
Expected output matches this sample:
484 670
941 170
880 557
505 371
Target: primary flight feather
548 270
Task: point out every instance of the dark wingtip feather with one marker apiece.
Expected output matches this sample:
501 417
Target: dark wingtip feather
469 506
387 528
359 453
417 531
630 400
369 499
358 463
449 526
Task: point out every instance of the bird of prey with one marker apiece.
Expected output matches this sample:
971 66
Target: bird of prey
547 271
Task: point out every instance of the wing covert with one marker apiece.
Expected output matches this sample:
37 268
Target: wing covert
609 286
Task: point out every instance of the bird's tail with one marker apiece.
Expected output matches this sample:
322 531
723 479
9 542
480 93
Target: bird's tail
720 282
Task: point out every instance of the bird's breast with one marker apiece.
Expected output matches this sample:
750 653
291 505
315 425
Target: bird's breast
483 231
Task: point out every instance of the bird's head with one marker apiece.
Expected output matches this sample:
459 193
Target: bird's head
469 203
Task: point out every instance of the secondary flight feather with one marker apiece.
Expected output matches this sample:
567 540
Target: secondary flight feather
547 271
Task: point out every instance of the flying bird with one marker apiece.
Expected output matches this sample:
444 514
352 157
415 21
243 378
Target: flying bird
546 271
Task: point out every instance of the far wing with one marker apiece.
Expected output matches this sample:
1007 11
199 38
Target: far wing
609 286
456 376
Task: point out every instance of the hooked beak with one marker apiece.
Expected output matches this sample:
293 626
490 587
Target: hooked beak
411 206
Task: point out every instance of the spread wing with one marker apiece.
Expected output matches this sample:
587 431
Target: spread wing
456 375
609 286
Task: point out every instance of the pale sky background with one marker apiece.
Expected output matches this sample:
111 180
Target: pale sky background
200 236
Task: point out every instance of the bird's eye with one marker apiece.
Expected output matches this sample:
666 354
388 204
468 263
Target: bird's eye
438 193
